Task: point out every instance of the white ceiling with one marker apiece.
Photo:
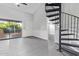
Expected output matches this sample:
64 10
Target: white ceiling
30 8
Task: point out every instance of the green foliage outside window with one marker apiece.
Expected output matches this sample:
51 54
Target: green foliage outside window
5 25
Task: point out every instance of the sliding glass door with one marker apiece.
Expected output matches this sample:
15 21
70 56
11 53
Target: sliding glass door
10 29
4 29
16 29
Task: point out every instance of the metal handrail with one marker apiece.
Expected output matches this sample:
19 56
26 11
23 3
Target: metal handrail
69 14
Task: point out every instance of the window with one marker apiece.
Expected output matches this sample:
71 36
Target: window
10 29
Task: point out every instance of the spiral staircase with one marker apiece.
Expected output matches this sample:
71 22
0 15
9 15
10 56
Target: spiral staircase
68 26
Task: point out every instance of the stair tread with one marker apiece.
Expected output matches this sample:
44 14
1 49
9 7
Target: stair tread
53 4
64 29
69 39
68 44
54 19
56 23
68 34
53 15
52 10
69 50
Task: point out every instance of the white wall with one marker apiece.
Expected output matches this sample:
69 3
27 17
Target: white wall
56 36
72 8
51 28
33 25
9 13
40 23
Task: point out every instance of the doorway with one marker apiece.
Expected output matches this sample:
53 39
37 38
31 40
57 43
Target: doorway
10 29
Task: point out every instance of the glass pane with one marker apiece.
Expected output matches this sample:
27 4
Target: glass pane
4 29
15 29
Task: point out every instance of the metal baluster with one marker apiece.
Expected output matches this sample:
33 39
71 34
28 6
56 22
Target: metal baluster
68 26
74 27
60 29
71 24
77 29
62 21
65 21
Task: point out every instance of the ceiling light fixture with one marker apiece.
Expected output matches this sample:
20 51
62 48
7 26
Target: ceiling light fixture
18 4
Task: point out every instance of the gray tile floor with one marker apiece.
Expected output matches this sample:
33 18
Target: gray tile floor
28 47
53 48
24 47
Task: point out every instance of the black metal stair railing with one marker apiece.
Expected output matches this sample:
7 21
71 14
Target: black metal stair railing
68 27
71 23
